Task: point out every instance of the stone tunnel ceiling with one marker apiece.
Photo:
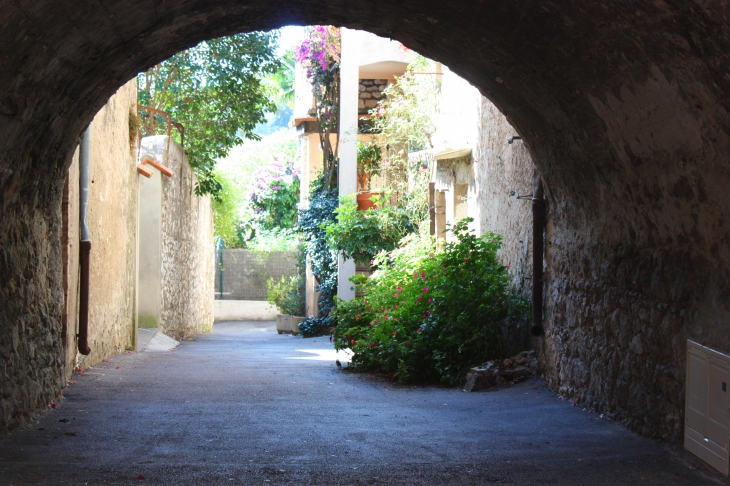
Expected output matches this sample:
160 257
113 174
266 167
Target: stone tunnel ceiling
622 105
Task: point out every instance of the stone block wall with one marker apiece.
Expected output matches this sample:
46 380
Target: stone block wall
370 92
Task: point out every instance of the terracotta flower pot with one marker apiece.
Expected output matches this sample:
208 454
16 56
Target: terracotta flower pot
364 202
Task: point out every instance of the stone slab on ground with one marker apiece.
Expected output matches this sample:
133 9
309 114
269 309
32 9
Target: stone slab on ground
151 340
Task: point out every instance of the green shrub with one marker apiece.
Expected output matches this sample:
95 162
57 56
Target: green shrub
315 326
323 259
427 314
285 295
361 234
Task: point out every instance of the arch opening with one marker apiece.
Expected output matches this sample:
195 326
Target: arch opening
624 111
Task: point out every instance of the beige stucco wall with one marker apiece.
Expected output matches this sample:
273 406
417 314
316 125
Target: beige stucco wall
186 246
112 223
148 263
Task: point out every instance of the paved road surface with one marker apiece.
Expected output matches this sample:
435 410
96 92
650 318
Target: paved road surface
245 405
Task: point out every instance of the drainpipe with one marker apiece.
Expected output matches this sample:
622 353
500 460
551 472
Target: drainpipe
538 223
85 246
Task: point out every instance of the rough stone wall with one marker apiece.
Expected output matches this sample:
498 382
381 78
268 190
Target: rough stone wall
187 251
370 91
502 167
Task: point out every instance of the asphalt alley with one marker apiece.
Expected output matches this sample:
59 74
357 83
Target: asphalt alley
244 405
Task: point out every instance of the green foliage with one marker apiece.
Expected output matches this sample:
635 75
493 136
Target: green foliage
275 239
323 259
405 120
368 162
286 295
274 200
282 82
316 326
406 116
226 213
429 315
215 91
361 234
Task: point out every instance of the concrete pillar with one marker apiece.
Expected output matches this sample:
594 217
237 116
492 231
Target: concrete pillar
349 78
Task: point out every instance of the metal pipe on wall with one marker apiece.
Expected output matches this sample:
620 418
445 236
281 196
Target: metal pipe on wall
85 243
538 224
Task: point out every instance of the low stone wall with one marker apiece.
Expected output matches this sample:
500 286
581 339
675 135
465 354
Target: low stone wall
244 310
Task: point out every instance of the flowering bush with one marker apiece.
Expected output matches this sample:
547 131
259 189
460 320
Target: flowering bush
427 314
273 199
319 54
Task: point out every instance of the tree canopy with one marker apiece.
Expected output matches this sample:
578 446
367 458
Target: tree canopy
216 91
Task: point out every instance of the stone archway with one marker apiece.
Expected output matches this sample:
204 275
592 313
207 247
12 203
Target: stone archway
623 108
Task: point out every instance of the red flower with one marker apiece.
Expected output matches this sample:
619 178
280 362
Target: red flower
430 255
425 289
420 298
352 341
430 300
466 259
395 332
408 343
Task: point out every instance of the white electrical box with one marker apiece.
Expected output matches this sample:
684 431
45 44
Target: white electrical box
706 414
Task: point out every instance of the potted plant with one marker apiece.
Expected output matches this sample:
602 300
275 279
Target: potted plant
285 295
368 164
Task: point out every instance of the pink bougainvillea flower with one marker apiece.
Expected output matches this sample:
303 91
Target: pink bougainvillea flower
398 288
430 300
425 289
415 275
420 298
